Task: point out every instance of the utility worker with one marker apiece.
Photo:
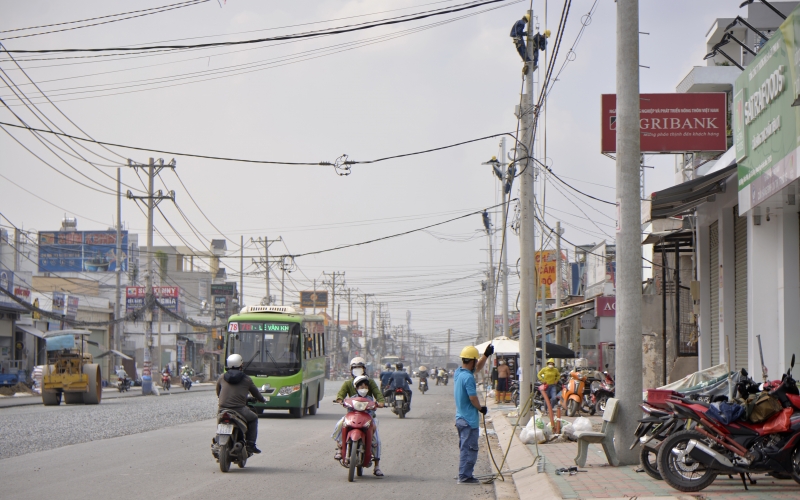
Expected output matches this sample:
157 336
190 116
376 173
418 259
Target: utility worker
467 408
232 390
550 375
518 33
502 394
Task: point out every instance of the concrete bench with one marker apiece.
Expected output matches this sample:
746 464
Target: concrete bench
605 437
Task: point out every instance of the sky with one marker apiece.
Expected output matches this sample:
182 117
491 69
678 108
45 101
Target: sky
368 94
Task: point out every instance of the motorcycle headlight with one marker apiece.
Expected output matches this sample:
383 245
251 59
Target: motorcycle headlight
360 405
291 389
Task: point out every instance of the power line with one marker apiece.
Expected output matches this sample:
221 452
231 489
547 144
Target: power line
330 31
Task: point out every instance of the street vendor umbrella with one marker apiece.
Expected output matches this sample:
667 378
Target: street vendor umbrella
555 350
502 345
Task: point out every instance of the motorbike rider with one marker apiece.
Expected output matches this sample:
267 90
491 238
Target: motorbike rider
423 375
122 374
441 375
187 370
350 389
233 386
550 375
400 380
386 377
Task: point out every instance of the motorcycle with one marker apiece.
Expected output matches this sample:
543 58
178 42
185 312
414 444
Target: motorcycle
399 402
186 382
690 460
514 390
602 391
229 445
652 430
572 395
166 381
357 436
423 385
445 378
123 385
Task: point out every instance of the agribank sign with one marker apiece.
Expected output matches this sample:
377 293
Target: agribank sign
672 122
765 123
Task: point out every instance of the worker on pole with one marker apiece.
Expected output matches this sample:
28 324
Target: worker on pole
539 41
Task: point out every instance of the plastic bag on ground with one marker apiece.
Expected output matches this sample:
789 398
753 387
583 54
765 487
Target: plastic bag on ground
491 393
582 424
568 430
532 436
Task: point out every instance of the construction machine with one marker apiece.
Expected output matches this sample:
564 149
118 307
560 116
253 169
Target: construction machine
70 370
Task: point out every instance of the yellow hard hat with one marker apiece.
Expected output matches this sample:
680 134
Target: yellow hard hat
551 360
527 17
469 352
547 33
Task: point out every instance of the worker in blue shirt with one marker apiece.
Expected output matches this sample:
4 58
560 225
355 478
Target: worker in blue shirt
467 408
539 41
400 380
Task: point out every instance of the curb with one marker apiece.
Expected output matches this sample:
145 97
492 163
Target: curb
12 402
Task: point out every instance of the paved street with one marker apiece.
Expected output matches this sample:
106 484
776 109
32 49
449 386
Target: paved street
142 447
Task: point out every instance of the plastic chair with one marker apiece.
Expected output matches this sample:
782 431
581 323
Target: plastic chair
604 437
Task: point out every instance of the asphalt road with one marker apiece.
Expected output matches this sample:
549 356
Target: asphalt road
132 448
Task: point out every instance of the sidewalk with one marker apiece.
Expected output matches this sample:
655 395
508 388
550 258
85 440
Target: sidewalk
108 393
603 481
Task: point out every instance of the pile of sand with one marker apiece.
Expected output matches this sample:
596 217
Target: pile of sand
14 389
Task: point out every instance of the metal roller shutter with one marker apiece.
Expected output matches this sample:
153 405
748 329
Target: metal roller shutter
713 253
740 346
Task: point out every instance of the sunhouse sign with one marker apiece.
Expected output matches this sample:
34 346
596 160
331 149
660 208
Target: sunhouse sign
765 123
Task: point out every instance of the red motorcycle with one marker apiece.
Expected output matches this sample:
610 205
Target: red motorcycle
357 435
690 460
166 381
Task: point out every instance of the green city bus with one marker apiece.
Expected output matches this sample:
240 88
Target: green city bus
284 354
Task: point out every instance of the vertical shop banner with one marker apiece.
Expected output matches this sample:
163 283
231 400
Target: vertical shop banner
59 303
72 307
545 269
765 119
81 251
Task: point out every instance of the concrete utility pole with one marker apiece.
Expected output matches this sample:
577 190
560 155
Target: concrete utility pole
153 199
527 346
559 279
267 266
629 249
118 263
490 301
334 335
241 273
448 347
504 255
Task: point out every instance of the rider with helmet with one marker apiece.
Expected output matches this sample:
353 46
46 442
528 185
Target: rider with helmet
233 388
386 377
363 386
400 380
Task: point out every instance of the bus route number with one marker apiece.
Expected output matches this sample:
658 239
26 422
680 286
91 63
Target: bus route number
233 327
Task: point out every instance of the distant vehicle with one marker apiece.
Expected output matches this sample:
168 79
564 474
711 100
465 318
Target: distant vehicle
284 354
389 360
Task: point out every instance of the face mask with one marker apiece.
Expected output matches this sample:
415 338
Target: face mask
363 392
357 372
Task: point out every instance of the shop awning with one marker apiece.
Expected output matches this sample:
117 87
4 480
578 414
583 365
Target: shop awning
31 330
680 199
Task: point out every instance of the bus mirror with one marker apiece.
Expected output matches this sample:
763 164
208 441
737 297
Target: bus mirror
305 330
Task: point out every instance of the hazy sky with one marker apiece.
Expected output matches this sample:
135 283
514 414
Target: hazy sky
368 94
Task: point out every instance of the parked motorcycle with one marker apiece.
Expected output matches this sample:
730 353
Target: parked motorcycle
357 436
513 388
423 385
572 395
230 446
602 391
186 382
653 429
399 403
123 385
690 460
165 381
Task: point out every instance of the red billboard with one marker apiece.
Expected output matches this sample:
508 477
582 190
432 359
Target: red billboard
605 306
672 123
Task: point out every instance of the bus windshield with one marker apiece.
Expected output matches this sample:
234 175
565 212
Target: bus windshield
273 347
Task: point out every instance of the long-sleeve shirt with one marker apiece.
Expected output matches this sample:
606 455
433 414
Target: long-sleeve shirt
233 387
549 375
518 30
400 380
349 390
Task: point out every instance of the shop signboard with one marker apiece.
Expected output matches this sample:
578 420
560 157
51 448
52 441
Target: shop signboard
314 298
59 302
672 122
80 251
765 121
605 307
7 283
545 269
168 296
227 289
72 306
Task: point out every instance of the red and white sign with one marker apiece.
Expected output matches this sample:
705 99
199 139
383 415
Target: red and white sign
605 306
672 122
159 291
22 293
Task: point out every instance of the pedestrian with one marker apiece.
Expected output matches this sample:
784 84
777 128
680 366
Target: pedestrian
501 394
467 408
550 375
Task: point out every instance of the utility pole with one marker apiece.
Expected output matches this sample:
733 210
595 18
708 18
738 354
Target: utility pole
153 199
504 255
448 347
118 263
490 299
349 324
335 335
629 249
558 280
267 266
523 152
241 272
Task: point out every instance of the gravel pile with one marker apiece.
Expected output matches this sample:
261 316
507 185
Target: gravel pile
29 429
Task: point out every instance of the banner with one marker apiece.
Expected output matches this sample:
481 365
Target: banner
81 251
310 299
545 269
168 296
672 122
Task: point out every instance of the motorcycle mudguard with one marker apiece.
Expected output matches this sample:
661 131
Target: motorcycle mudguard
575 397
355 435
222 439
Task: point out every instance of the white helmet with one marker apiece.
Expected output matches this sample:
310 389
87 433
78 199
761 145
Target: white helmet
234 361
358 361
360 379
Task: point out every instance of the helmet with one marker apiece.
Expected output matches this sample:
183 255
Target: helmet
360 379
388 366
358 361
399 366
234 361
527 17
469 352
547 33
551 360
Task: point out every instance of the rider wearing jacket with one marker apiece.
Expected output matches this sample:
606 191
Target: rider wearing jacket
233 388
400 380
350 388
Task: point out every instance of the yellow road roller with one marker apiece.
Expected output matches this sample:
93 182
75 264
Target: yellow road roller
70 370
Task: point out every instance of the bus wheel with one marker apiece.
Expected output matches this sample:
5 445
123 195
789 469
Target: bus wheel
297 412
312 410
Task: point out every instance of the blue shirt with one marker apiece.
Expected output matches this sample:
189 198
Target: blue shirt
400 380
464 388
518 30
386 378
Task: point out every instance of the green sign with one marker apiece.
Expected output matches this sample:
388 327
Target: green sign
765 124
